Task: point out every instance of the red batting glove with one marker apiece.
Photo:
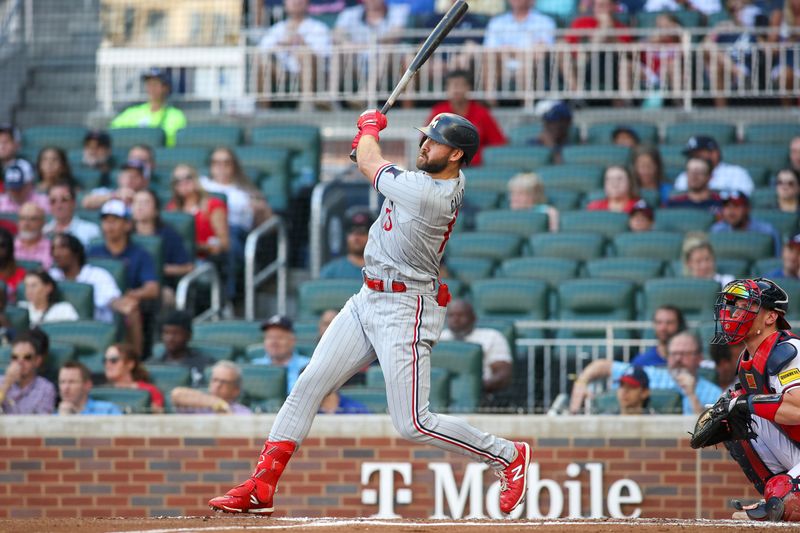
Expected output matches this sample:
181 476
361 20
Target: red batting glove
357 138
371 122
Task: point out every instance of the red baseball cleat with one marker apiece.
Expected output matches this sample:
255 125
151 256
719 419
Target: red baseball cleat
255 494
514 479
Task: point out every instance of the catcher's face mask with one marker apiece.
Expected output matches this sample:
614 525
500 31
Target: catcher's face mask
735 310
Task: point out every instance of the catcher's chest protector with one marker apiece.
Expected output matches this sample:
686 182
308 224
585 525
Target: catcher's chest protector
753 374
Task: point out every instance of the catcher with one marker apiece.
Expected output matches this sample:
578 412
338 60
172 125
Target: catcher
758 420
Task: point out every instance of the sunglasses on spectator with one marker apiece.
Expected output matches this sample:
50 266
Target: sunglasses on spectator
111 360
181 177
59 199
22 357
789 183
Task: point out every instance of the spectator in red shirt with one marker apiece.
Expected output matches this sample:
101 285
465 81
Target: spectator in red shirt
620 189
458 85
10 272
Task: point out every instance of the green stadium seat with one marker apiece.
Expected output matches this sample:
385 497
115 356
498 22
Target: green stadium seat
213 350
695 297
129 400
456 287
373 399
635 269
595 299
58 353
682 219
784 222
764 198
771 156
469 269
485 178
116 267
792 288
481 200
152 244
464 362
273 162
29 265
87 178
522 223
672 156
525 133
238 334
209 135
275 191
601 133
760 174
263 386
687 18
124 138
596 154
738 268
304 141
581 178
80 295
660 245
17 316
439 391
64 137
87 336
489 245
771 132
606 223
316 296
762 267
679 133
168 158
510 298
573 245
183 224
522 158
563 199
167 377
747 245
553 270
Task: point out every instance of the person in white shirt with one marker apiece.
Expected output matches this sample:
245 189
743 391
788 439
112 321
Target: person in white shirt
69 259
62 207
497 361
41 297
706 7
724 176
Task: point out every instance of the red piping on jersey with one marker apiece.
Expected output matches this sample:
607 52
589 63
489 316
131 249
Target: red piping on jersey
375 177
415 388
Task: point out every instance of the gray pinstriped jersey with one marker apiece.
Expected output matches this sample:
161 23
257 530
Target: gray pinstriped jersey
407 240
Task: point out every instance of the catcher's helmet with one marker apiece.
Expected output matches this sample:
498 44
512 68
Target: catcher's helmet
453 130
733 320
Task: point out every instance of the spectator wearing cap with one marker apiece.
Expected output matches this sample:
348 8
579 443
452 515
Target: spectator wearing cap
74 385
131 179
20 188
526 191
279 349
620 189
144 154
735 216
647 169
633 393
138 302
52 166
222 397
724 176
699 195
176 334
69 262
30 243
641 217
62 198
156 112
22 390
349 266
458 85
97 152
787 190
556 124
625 136
790 257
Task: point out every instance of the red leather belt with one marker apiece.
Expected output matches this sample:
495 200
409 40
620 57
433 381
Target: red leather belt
377 285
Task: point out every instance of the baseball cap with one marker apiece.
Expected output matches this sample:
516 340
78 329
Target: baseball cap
700 142
734 197
102 138
278 321
794 242
625 129
181 319
18 174
360 220
635 376
157 73
558 111
135 164
11 130
115 208
642 207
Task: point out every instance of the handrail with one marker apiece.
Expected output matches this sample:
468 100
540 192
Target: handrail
279 266
201 270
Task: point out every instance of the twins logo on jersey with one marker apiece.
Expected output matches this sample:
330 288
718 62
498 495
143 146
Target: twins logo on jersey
387 225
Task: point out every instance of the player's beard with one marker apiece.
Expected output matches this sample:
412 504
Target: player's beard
431 167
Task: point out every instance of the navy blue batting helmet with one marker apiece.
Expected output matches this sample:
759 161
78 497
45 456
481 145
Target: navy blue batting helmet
453 130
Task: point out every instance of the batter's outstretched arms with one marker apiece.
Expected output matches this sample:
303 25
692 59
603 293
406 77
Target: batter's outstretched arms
368 152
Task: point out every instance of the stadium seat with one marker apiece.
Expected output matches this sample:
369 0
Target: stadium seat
581 178
316 296
687 18
64 137
679 133
563 199
263 386
464 362
17 316
771 156
481 200
492 179
87 178
635 269
89 337
270 161
124 138
780 133
738 268
209 135
606 223
168 158
662 401
167 377
29 265
553 270
522 223
469 269
595 299
456 287
762 267
305 143
522 158
238 334
216 351
373 399
439 391
792 288
489 245
660 245
601 133
152 244
573 245
596 154
784 222
80 295
129 400
680 219
672 155
524 134
183 224
510 298
58 353
695 297
764 198
760 174
747 245
116 267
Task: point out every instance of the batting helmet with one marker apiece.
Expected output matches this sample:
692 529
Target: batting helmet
453 130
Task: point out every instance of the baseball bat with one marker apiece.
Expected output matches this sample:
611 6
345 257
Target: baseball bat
442 29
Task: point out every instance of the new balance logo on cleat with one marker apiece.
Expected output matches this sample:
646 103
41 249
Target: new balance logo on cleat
518 473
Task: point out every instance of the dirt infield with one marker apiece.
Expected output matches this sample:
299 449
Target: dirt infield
339 525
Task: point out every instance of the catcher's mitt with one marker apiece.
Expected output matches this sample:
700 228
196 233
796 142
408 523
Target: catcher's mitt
728 419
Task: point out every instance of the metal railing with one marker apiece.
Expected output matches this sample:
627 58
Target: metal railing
684 69
278 267
201 272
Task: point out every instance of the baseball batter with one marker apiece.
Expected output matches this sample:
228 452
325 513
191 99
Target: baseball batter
397 316
752 312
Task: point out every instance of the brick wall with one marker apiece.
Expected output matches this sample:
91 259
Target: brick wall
70 476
